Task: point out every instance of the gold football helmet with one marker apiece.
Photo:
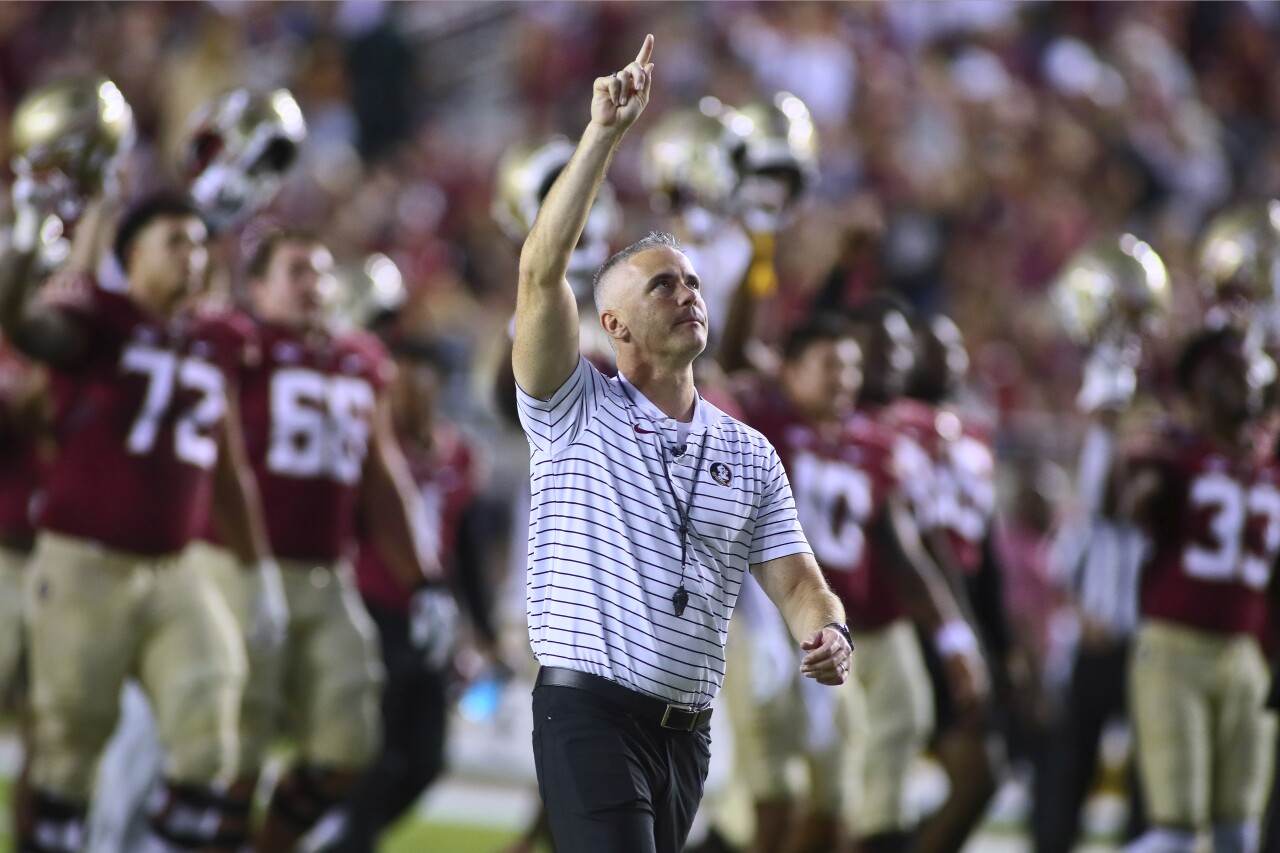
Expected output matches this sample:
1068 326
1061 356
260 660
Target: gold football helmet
687 159
1239 254
776 135
237 149
776 158
363 293
1111 290
526 172
66 138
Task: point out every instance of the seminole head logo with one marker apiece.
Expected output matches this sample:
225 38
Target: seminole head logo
721 473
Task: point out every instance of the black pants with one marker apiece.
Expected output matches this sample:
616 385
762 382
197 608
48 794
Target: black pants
1098 692
413 716
613 783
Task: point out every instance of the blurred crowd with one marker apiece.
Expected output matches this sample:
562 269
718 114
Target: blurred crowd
974 146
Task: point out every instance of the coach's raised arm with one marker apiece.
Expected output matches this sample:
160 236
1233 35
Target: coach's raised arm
546 339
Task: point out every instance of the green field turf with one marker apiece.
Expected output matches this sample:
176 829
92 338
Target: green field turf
415 837
412 837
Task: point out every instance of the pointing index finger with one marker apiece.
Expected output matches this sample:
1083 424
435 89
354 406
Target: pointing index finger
646 51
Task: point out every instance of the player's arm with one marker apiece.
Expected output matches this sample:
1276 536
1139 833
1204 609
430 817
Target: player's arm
238 515
389 501
739 327
37 328
796 587
931 601
923 585
545 350
237 503
1133 490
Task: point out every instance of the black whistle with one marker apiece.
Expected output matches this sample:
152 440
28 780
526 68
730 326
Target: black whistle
680 599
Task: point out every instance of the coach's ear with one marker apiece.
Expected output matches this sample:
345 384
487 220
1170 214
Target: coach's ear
614 327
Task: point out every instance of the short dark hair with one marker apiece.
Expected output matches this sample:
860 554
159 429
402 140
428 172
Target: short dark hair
819 328
1202 347
265 250
654 240
138 217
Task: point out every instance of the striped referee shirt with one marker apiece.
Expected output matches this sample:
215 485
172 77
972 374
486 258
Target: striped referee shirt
604 537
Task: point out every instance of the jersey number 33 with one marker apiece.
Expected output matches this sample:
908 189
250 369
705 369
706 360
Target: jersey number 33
1234 512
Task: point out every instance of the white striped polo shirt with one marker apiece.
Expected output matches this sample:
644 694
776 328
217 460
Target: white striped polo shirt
604 539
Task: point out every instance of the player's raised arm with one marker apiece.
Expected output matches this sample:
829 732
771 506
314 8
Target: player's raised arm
546 339
38 330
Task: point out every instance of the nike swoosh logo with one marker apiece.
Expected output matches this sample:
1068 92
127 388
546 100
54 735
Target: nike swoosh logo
644 431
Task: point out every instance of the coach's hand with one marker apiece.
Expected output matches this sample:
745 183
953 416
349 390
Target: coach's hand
830 657
618 100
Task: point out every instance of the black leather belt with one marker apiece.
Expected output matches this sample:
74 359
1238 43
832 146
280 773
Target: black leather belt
649 707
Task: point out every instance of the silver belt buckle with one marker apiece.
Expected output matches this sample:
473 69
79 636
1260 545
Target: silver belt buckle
666 716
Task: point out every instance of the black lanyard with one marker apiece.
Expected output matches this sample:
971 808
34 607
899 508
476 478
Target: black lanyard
680 599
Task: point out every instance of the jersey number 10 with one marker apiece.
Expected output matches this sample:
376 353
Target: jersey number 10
834 502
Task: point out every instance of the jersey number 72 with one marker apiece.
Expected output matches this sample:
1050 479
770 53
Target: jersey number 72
166 372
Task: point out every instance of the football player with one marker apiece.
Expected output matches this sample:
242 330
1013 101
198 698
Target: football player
23 428
415 703
1208 500
22 422
957 524
899 696
846 471
144 417
234 153
1109 296
322 446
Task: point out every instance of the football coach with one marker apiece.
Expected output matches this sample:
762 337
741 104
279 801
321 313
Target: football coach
648 506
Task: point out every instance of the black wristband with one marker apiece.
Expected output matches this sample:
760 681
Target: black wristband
844 631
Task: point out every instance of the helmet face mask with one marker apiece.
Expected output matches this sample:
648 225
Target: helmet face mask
1238 263
238 149
765 199
776 159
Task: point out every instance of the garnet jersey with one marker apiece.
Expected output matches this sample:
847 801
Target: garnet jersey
1215 534
21 462
137 420
841 482
962 501
307 407
915 479
445 476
